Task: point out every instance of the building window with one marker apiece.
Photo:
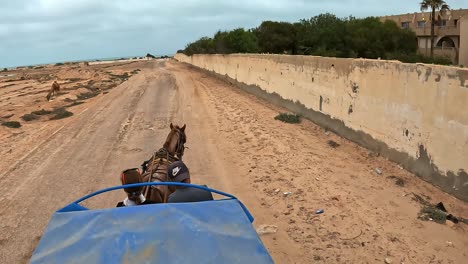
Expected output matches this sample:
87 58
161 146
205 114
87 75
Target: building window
405 24
455 22
421 24
442 23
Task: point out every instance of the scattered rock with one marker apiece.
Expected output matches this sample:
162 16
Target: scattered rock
289 206
378 171
327 133
286 194
292 221
450 244
277 190
266 229
388 260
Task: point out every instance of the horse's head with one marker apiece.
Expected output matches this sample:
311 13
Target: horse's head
175 142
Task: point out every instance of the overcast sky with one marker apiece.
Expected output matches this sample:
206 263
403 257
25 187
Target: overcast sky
44 31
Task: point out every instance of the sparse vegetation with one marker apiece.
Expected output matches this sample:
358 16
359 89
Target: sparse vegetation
29 117
332 144
74 103
150 56
12 124
5 69
124 76
60 113
84 96
59 64
428 212
288 118
41 112
75 79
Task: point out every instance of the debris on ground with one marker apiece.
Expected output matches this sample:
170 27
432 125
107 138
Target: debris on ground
319 211
286 194
429 213
378 171
450 244
289 118
388 260
266 229
277 190
421 200
398 181
450 217
333 144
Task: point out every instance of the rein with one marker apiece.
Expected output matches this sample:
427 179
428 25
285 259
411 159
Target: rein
163 156
180 148
160 157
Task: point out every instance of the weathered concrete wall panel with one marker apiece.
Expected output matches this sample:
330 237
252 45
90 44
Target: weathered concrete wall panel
414 114
463 49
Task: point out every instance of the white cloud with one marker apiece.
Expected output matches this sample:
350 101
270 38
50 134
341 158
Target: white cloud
36 31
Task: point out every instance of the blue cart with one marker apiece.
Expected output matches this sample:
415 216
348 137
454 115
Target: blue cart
218 231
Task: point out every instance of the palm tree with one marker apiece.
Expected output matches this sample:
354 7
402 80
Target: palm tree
434 5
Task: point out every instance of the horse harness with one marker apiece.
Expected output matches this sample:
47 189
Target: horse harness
161 157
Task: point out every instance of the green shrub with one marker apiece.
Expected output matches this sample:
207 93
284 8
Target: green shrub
74 103
428 212
12 124
83 96
60 113
29 117
289 118
41 112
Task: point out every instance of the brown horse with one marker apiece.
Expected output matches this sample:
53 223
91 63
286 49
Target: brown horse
172 150
54 89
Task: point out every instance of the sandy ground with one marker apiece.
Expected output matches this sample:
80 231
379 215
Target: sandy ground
236 146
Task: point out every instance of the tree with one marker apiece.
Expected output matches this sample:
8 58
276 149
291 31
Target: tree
434 5
276 37
323 35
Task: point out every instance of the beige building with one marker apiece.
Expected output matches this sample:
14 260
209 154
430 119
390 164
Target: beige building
451 33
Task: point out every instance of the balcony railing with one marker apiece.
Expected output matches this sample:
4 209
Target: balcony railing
439 30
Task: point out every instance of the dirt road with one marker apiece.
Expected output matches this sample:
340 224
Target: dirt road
234 145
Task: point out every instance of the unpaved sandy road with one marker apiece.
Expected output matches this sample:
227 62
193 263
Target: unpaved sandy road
236 146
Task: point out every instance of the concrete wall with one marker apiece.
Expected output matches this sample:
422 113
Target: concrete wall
463 57
414 114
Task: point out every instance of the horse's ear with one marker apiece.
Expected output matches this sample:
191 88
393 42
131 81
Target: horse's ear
183 128
171 126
